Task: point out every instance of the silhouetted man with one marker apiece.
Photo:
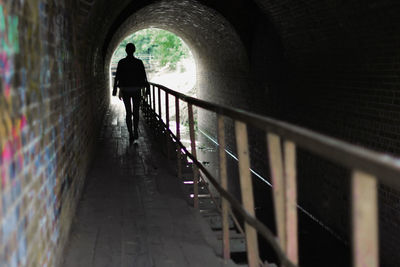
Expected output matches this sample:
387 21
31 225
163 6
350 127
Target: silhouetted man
131 79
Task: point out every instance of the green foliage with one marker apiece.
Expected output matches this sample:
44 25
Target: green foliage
155 46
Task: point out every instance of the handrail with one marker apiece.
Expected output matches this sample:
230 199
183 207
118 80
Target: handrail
386 168
368 167
264 231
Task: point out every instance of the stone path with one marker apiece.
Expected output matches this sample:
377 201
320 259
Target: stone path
132 212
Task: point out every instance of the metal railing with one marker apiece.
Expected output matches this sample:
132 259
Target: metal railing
368 168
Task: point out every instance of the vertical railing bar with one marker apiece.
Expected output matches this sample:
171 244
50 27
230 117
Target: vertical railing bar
159 103
149 103
291 201
246 191
167 139
154 98
178 136
224 183
167 109
193 148
149 106
365 220
278 185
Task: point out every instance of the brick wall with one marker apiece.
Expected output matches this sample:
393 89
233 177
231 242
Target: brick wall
343 65
332 66
221 59
47 128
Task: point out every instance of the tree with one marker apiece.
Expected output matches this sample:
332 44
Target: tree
162 47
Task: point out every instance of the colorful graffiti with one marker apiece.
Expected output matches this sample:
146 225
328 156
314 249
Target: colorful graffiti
9 46
35 48
12 160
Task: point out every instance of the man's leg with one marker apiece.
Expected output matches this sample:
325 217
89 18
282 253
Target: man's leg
136 105
128 110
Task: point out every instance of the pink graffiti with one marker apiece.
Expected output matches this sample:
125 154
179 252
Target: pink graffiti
23 122
7 152
6 156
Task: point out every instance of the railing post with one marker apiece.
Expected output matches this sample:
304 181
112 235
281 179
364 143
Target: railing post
154 98
148 102
284 186
278 185
178 136
167 109
149 106
224 183
291 202
365 220
193 147
159 103
246 191
167 122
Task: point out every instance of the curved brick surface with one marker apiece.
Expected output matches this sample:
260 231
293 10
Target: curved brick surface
332 66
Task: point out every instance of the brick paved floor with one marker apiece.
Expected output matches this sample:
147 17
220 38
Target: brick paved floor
132 212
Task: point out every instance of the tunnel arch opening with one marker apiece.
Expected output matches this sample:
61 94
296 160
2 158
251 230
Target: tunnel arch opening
221 59
167 59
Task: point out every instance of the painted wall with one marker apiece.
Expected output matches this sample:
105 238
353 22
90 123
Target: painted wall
46 129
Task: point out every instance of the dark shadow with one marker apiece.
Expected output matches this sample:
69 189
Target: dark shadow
131 79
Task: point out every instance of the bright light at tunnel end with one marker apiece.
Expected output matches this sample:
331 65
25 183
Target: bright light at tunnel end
176 70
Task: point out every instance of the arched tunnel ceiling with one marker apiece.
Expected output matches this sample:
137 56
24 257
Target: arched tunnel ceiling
105 17
210 37
221 58
307 29
322 39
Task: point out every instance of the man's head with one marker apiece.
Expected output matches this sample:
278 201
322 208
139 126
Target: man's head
130 49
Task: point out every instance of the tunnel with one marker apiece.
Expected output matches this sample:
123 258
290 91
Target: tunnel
329 66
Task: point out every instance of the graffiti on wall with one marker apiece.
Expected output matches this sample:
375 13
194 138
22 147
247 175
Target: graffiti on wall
33 54
9 46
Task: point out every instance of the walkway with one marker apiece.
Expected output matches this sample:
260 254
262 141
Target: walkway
132 212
